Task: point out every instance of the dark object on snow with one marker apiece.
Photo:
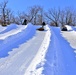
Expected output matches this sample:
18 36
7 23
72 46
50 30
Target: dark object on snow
64 28
43 24
25 22
41 29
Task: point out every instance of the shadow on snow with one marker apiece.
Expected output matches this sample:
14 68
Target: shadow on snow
60 57
15 41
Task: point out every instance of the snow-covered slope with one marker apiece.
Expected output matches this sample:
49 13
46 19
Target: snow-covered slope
19 51
9 27
11 30
2 28
60 58
36 67
26 51
14 40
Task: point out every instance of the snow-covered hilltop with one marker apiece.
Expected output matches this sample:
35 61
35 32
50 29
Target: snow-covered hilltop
26 51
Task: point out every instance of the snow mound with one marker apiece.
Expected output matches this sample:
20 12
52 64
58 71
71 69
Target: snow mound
25 33
12 32
68 27
29 25
2 28
10 27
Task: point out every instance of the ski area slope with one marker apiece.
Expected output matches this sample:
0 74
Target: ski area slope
11 30
2 28
36 67
60 58
14 41
18 51
26 51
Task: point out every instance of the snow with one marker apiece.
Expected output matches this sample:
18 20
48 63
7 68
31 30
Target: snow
9 27
71 38
15 40
60 58
22 51
11 32
27 51
54 61
21 57
68 27
2 28
36 66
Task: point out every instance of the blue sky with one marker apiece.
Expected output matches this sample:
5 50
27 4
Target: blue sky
22 5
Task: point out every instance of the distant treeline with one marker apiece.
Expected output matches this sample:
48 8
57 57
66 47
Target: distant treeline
37 15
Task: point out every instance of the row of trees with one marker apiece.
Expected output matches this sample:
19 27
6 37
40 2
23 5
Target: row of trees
37 15
6 15
61 17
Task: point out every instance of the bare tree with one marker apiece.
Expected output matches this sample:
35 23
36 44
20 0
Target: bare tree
9 16
53 15
20 17
35 12
5 13
62 18
68 16
74 19
3 6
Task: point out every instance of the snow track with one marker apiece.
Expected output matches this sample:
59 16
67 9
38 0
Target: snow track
20 58
16 40
30 52
36 66
54 64
60 58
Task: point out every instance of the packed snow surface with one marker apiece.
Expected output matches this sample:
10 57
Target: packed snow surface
26 51
2 28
